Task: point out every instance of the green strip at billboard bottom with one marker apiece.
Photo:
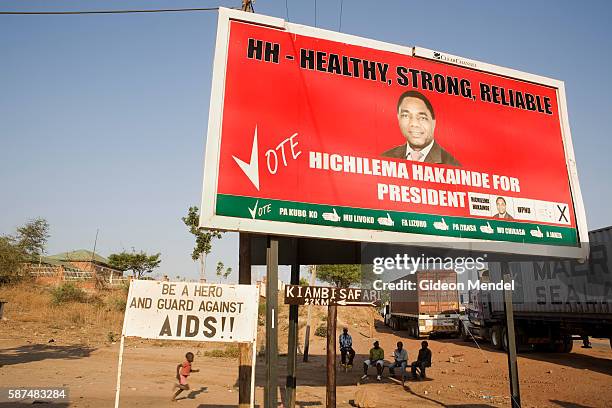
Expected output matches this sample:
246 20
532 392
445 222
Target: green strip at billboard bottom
415 223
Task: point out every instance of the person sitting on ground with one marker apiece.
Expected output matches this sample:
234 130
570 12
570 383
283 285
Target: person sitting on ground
423 360
585 342
400 355
377 357
182 372
346 347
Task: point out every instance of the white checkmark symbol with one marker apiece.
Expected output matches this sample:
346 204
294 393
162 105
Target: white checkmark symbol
251 169
254 210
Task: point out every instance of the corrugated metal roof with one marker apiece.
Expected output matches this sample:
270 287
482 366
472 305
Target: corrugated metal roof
80 255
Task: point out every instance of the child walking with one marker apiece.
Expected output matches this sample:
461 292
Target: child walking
182 372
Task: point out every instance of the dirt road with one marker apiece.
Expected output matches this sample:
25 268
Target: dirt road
474 378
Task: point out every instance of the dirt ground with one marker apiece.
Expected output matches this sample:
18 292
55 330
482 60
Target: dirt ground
83 356
582 378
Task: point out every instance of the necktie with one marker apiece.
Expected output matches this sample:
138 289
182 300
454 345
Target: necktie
416 156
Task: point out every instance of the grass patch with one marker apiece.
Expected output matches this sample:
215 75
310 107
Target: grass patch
231 351
68 292
117 302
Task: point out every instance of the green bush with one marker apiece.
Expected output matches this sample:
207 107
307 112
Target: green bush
117 301
68 292
261 314
11 258
231 351
321 331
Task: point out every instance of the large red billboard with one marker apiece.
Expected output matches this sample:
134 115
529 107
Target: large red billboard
319 135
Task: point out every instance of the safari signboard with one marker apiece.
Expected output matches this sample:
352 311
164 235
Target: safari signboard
320 134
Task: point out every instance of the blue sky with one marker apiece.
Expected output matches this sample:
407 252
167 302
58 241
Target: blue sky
103 117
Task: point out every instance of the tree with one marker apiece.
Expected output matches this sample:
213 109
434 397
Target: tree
341 276
27 244
11 258
32 237
203 238
223 272
139 263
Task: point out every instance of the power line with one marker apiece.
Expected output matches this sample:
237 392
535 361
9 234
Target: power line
287 8
340 25
72 12
315 4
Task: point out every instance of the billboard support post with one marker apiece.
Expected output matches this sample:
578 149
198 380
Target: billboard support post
330 399
245 349
293 332
271 397
313 278
515 394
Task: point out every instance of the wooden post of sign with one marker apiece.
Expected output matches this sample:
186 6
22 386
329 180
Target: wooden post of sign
245 349
515 395
293 333
331 356
313 278
271 397
121 346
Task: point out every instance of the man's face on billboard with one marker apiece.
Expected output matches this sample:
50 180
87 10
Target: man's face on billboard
416 123
501 206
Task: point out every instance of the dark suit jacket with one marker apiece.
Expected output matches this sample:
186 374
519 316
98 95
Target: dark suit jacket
436 155
508 216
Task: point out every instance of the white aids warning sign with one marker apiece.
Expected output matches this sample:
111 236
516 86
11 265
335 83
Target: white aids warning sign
191 311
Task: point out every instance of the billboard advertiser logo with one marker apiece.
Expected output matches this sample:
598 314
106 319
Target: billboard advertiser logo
453 60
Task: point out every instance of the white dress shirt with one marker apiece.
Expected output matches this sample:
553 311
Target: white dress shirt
424 151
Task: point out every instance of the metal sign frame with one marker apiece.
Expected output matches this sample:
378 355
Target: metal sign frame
209 219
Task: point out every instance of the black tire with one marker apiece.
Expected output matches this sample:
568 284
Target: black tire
504 339
496 340
465 336
568 343
417 332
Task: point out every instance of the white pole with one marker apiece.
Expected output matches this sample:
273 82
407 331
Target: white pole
118 388
253 372
254 355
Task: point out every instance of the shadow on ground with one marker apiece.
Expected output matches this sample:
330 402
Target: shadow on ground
566 404
39 352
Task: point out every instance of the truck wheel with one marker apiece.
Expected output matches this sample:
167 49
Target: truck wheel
504 339
417 332
465 335
568 343
496 337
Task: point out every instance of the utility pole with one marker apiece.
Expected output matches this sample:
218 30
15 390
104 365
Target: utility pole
515 395
313 278
247 5
270 395
330 396
245 349
293 331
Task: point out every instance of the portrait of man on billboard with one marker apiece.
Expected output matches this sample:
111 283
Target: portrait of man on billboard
417 122
500 203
